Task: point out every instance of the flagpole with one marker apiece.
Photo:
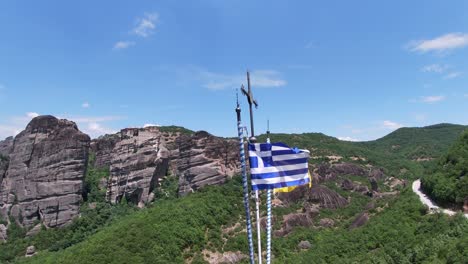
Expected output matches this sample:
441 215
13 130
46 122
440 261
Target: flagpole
244 184
259 237
268 226
251 101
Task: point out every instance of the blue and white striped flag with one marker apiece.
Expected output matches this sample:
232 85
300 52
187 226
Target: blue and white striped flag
275 165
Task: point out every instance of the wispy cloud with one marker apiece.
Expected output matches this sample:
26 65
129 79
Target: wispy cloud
95 129
220 81
151 125
442 43
146 25
32 114
432 98
452 75
437 68
348 139
387 124
85 105
120 45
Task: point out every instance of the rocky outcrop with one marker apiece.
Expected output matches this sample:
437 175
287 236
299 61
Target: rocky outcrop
360 220
6 146
327 222
138 159
304 219
228 257
318 194
328 172
30 251
304 245
141 157
3 233
44 178
102 148
203 159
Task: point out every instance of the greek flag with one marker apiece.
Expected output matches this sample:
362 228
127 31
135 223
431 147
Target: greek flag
275 165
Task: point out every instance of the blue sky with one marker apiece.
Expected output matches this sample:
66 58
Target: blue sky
356 70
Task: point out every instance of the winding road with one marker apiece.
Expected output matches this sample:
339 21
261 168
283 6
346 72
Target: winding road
427 201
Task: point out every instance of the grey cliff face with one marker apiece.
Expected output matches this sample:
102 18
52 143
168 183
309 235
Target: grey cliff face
103 147
203 159
142 157
6 146
138 160
45 173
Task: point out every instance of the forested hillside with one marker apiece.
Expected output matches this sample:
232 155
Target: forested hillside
345 217
448 182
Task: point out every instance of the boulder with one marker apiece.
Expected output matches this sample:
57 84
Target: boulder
30 251
360 220
347 185
327 222
34 231
228 257
44 178
3 233
304 244
374 184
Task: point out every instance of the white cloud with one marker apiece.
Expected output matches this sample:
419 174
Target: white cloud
348 139
32 114
452 75
443 43
120 45
258 78
432 98
146 25
95 129
437 68
85 105
150 125
9 130
391 125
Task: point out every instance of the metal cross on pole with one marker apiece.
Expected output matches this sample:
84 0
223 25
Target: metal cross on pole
251 101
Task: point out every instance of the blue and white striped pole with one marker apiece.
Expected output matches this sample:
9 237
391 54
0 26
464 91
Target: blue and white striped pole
268 226
244 185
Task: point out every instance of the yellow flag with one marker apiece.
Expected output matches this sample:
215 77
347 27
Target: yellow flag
290 189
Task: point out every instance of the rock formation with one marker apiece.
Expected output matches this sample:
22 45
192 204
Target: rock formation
45 173
304 244
6 146
203 159
3 233
318 194
360 220
102 147
140 157
326 172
